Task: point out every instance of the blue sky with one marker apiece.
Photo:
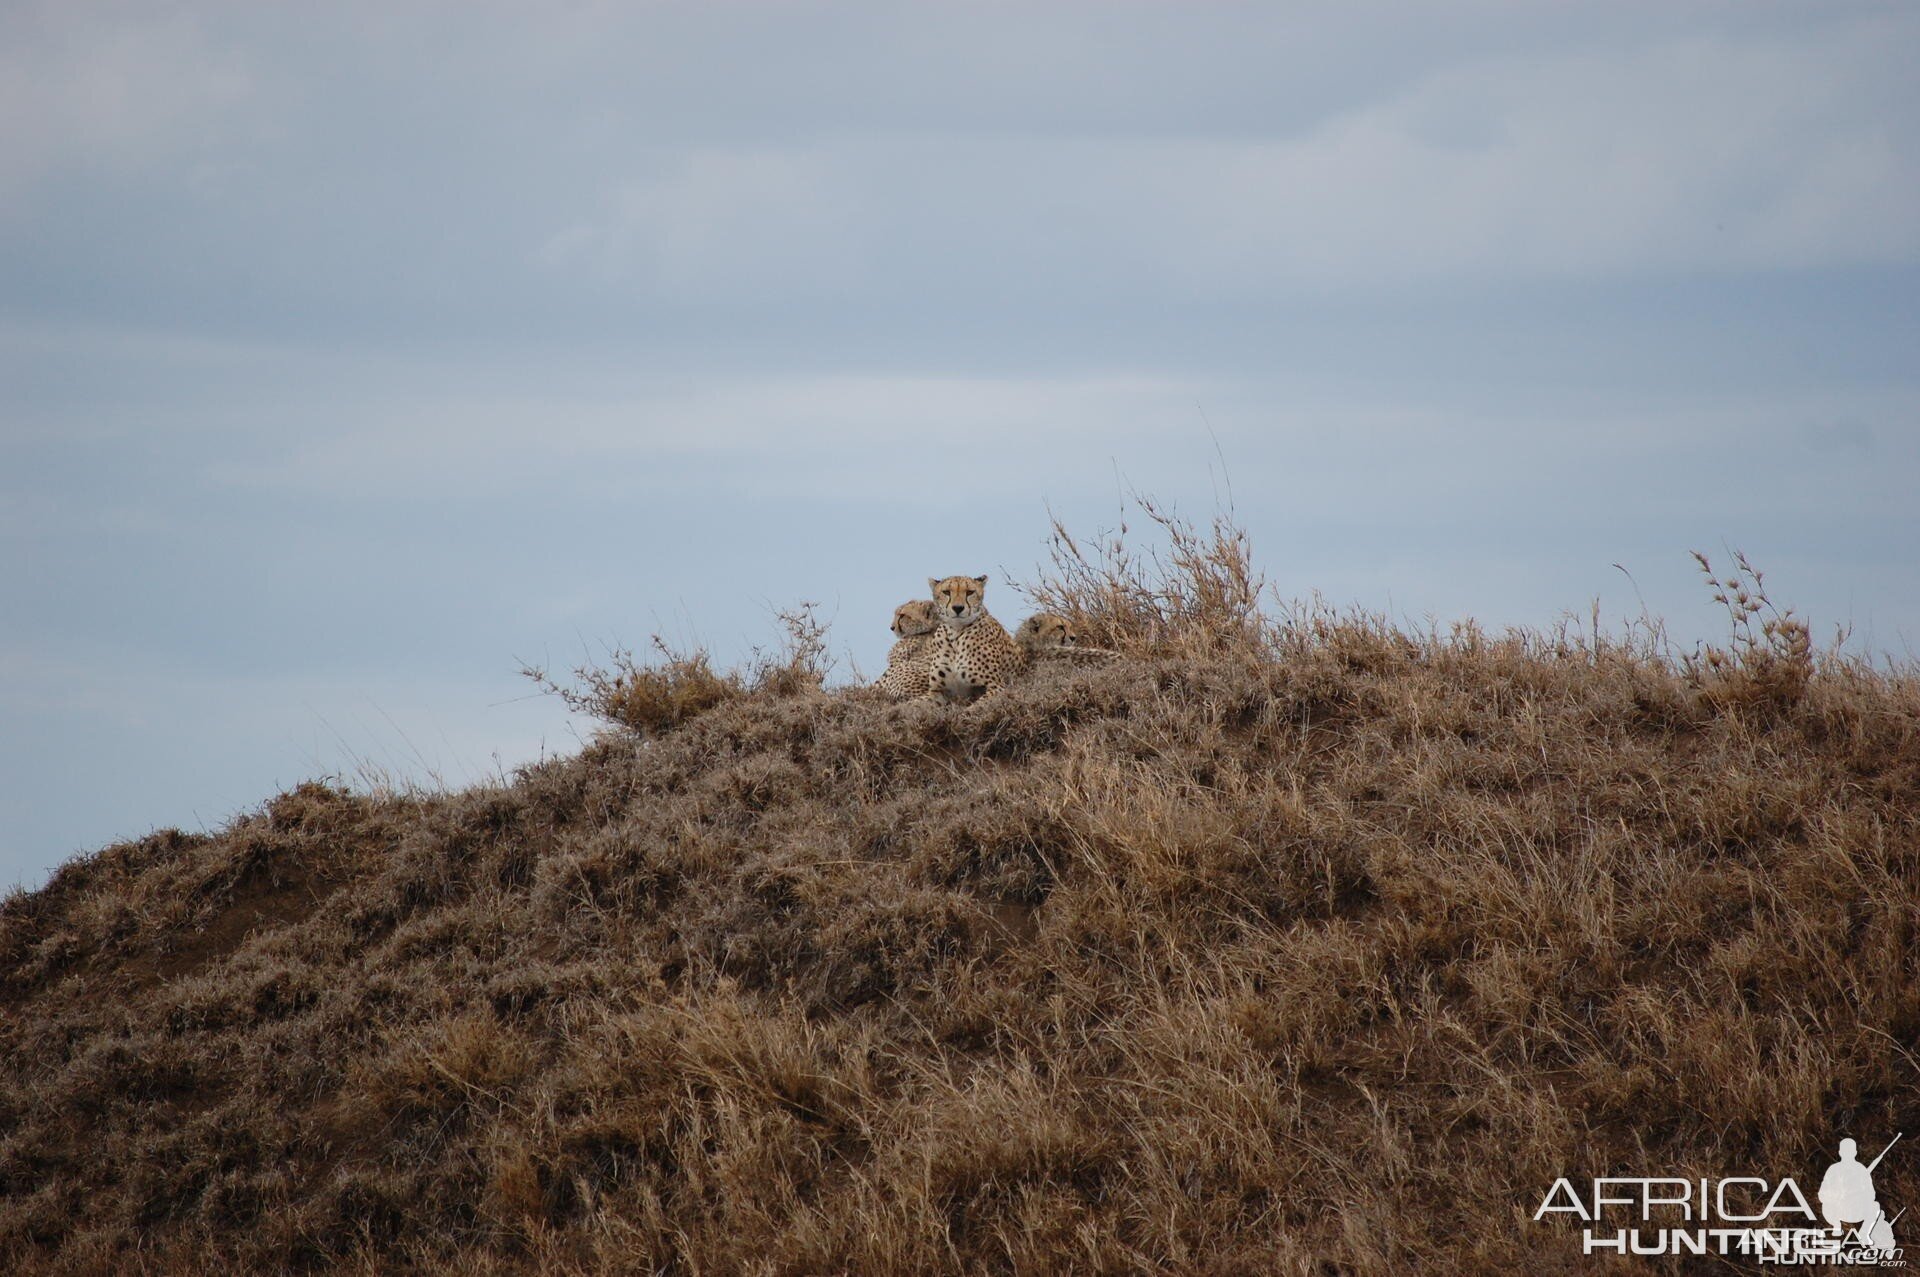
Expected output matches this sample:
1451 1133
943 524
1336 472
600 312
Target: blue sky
351 356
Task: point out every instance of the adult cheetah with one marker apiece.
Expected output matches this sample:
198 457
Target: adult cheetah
907 660
971 653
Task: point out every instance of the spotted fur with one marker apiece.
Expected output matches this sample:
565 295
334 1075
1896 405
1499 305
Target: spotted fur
971 654
913 626
1048 635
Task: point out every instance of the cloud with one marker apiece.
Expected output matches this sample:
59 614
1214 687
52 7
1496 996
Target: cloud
673 169
91 88
1831 438
1720 154
1765 152
875 430
779 219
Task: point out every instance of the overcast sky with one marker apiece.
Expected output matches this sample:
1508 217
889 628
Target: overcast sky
351 355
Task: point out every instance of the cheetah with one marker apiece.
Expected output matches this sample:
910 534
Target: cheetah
907 660
971 653
1042 634
1049 635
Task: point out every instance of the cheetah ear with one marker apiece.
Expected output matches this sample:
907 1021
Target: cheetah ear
981 579
933 583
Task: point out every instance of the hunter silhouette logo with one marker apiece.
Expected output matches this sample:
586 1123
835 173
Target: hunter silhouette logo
1847 1197
1771 1221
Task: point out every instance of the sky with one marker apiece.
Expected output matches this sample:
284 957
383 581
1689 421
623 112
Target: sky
353 356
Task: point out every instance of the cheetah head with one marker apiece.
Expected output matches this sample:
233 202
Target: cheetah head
915 616
958 601
1043 632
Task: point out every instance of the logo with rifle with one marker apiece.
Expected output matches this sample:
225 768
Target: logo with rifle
1747 1215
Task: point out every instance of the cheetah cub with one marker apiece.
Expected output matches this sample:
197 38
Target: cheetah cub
971 653
907 660
1047 635
1042 634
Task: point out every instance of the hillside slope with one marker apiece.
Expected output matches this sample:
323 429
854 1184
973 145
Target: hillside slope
1323 958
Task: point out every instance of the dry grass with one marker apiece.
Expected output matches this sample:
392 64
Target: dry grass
1199 594
1290 943
682 685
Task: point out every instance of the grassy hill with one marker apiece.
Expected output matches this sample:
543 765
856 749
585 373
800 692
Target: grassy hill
1284 944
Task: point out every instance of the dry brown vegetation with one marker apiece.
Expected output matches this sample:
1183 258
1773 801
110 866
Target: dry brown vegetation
1289 943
